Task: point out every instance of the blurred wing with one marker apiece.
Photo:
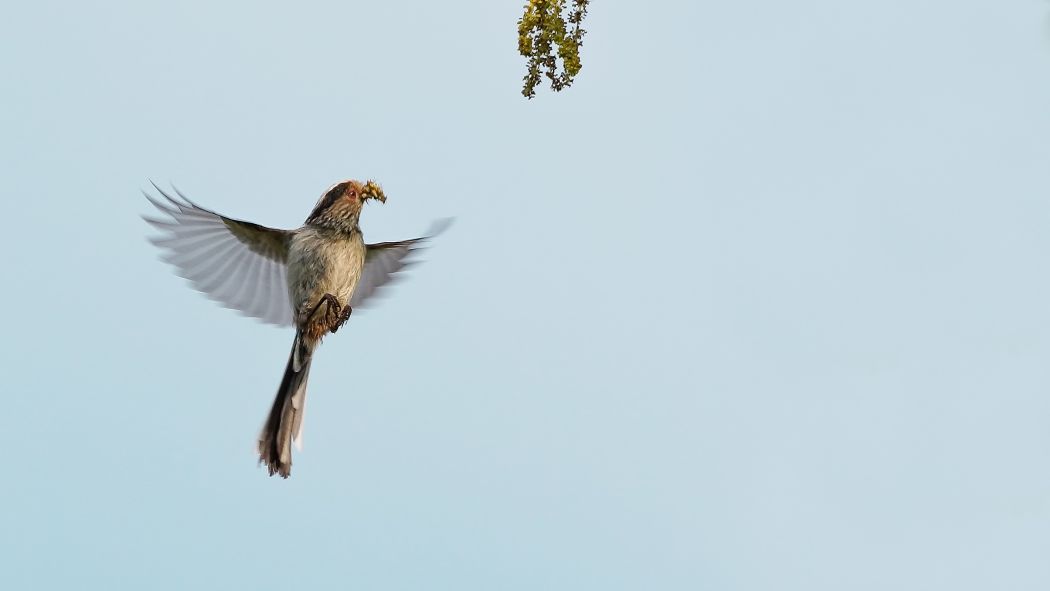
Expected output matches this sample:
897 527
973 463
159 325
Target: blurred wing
385 259
239 264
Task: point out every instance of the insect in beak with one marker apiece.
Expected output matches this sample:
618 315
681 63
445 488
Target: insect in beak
372 190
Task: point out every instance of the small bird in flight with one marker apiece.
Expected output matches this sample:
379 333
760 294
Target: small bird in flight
312 277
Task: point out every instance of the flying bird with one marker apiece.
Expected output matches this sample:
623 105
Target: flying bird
310 278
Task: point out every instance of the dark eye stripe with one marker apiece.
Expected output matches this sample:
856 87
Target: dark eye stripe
327 201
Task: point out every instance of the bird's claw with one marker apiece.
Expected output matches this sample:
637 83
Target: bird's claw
331 312
343 317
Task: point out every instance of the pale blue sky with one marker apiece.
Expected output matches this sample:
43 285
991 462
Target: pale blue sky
760 303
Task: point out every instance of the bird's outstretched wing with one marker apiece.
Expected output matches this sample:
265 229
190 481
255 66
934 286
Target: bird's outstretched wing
239 264
386 258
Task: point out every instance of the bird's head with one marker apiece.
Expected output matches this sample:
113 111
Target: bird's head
340 206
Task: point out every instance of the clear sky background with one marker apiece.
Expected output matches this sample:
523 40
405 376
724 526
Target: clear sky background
761 302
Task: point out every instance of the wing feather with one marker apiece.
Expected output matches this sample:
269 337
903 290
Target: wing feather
239 264
385 259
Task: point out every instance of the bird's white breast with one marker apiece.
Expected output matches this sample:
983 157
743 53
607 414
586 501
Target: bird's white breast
322 261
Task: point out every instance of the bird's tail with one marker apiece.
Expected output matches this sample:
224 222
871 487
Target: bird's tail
285 422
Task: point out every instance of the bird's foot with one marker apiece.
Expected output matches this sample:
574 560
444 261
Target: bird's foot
343 317
331 311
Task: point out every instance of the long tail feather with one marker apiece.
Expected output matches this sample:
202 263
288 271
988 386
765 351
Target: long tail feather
286 416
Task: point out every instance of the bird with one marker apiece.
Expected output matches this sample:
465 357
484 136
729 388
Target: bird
311 278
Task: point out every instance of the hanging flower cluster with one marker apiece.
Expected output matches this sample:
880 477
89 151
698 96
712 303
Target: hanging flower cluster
542 30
